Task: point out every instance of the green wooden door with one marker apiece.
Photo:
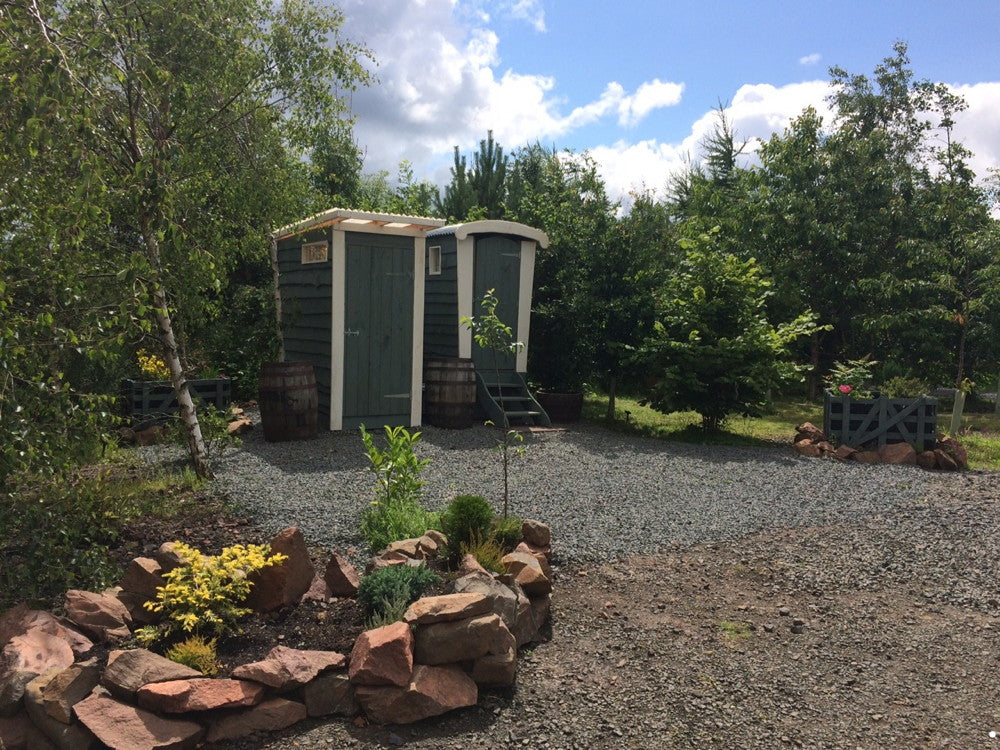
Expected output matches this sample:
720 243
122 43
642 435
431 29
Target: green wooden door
378 330
498 267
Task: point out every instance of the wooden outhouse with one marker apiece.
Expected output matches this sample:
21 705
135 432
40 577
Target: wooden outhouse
350 297
464 261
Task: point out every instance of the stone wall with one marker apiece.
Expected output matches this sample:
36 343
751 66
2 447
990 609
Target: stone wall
55 694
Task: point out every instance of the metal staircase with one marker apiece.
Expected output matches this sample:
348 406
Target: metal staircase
509 395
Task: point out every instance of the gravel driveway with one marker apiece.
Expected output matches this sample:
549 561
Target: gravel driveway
767 600
606 495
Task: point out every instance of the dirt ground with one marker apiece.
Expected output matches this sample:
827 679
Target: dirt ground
877 634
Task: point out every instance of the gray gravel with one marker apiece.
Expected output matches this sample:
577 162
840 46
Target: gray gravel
606 495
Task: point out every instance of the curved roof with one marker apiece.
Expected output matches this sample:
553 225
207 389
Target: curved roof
493 226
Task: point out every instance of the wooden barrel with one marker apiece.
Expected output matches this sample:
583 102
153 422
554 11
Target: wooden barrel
449 392
289 401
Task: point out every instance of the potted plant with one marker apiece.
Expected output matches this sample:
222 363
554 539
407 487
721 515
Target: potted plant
152 393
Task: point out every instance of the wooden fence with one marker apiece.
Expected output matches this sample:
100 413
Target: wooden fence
873 422
149 398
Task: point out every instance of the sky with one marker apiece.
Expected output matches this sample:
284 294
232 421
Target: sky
636 83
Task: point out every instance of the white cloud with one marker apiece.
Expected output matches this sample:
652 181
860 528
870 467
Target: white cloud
649 96
978 127
812 59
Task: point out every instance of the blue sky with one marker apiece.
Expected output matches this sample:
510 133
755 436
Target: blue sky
635 83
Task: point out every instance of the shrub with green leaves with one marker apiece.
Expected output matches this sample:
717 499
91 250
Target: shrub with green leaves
902 387
467 518
389 521
507 531
205 593
392 589
197 653
488 552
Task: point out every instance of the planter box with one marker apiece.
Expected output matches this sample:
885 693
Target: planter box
873 422
150 398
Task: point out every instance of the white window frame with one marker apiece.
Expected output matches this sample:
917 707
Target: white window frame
310 254
434 260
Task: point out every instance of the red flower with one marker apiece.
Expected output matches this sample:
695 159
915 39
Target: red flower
845 389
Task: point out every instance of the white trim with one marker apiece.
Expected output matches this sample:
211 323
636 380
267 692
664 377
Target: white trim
417 355
433 260
524 303
465 259
365 220
493 226
338 294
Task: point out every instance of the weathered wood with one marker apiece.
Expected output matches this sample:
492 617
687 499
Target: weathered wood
149 398
876 422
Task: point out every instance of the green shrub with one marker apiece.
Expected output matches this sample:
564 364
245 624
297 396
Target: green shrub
214 423
507 531
488 552
901 387
393 589
390 521
197 653
205 593
467 517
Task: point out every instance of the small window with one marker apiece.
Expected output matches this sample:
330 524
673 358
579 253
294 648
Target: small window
314 252
434 260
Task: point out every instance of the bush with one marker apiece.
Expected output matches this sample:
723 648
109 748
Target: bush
204 594
385 522
507 531
197 653
389 591
488 552
467 518
900 387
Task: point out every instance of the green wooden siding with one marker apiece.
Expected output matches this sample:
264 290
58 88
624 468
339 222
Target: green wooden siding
378 335
441 302
305 311
497 267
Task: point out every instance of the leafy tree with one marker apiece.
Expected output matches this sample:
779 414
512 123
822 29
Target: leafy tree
181 123
712 347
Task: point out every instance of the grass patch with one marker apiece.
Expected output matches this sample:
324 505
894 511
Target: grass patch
732 629
980 433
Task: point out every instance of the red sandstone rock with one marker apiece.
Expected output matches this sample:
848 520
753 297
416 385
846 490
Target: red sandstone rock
284 584
269 716
445 608
450 642
341 577
318 591
409 547
36 651
99 615
503 641
167 557
432 692
807 448
429 545
124 727
127 671
825 448
20 619
18 733
955 450
150 436
536 533
383 656
898 453
58 690
143 575
543 560
844 452
330 694
527 572
437 537
469 564
287 668
199 694
495 670
503 600
944 461
927 460
62 733
239 426
866 457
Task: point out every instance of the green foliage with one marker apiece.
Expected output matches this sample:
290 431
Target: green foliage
855 374
902 387
204 594
396 513
214 430
487 550
197 653
466 518
387 589
713 349
58 532
507 531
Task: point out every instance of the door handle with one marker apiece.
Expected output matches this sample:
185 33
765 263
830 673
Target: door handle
349 332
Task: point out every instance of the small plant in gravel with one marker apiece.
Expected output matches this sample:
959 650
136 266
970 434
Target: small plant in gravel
197 653
466 518
396 513
734 629
488 552
387 592
205 593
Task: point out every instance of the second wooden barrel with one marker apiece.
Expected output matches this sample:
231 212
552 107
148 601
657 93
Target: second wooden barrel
449 392
289 401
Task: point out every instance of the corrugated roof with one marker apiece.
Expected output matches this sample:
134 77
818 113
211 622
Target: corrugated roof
359 219
493 226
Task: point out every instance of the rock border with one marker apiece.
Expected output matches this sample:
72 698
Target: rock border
948 455
53 695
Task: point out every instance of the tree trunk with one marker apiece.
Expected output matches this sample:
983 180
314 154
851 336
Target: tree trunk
189 414
612 393
963 334
814 361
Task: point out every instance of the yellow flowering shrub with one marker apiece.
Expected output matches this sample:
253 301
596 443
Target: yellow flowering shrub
205 593
152 367
197 653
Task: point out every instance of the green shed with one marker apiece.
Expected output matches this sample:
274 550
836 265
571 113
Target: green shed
463 262
350 300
